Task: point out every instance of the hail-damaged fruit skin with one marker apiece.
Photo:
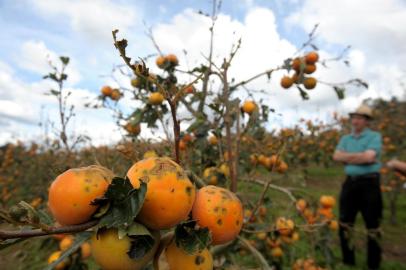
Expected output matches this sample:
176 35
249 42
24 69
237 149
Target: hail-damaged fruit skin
111 252
178 259
220 211
71 193
170 193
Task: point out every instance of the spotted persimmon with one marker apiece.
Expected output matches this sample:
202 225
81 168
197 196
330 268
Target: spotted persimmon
262 159
249 106
296 64
327 201
71 193
66 242
282 167
173 59
286 82
224 169
325 213
310 82
301 205
132 129
160 61
311 57
276 252
219 210
111 252
170 193
182 145
310 68
333 225
189 89
210 175
106 90
136 82
213 140
178 259
284 226
295 77
275 161
156 98
262 211
115 94
85 250
55 256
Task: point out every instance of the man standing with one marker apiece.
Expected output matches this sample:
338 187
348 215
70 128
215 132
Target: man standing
360 152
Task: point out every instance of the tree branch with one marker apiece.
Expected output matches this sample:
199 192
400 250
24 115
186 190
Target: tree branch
52 230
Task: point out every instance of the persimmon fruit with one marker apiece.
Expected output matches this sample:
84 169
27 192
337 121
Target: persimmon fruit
170 193
219 210
71 193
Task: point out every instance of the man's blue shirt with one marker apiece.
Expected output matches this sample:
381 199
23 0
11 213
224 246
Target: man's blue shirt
367 140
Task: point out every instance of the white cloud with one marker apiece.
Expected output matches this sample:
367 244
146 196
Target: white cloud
95 19
34 57
372 28
262 48
368 24
22 103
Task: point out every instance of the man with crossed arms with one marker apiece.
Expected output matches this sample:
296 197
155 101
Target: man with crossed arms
360 153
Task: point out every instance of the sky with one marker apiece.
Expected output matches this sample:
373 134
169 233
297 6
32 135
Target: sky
271 30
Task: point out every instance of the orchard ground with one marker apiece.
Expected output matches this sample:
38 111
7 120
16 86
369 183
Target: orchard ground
32 254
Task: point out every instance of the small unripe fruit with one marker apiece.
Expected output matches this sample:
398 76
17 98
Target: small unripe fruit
156 98
286 82
249 106
310 83
312 57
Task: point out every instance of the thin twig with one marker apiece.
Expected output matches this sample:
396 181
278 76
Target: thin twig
255 252
52 230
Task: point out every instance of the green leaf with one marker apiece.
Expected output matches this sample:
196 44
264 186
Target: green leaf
80 238
303 93
137 229
190 238
340 91
125 203
136 117
200 128
64 60
45 218
54 92
102 210
52 76
133 230
140 245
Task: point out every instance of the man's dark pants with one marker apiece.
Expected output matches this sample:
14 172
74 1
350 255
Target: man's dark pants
361 193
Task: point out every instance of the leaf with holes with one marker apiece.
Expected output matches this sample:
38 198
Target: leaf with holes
125 203
191 238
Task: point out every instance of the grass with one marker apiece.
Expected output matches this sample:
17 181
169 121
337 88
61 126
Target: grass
320 181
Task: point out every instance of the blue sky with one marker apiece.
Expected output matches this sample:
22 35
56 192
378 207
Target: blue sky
270 30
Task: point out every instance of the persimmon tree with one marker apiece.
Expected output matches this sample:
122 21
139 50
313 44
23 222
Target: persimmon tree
66 110
223 140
